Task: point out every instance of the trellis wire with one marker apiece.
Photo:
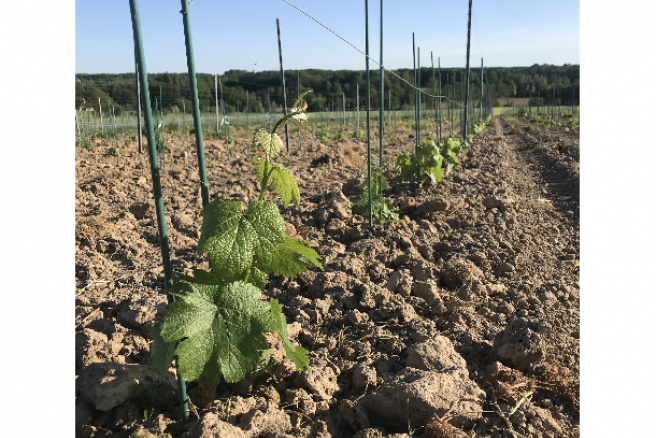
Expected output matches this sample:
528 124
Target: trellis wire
353 46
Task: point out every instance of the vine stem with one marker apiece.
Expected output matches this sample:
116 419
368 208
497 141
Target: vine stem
266 181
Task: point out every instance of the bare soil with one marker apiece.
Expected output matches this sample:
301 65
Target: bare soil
462 320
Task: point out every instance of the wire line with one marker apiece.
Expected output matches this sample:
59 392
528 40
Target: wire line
361 52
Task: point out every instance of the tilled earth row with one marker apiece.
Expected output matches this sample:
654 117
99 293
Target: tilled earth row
461 320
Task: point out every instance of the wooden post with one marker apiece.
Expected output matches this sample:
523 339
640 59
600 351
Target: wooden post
100 111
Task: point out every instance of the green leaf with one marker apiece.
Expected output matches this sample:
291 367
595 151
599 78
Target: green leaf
283 183
231 237
389 210
161 352
402 160
376 175
258 278
224 326
281 180
269 143
297 354
289 258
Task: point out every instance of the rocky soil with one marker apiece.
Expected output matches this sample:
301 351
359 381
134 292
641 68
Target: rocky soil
460 321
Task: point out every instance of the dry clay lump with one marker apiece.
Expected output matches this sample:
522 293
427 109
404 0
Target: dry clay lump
520 343
435 379
106 385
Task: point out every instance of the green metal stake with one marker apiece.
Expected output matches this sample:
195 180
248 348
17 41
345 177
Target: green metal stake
453 97
224 111
282 81
381 115
439 74
437 129
418 91
366 18
529 100
193 87
157 189
414 68
269 113
300 134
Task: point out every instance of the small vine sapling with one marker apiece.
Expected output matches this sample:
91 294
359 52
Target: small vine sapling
361 201
220 317
426 164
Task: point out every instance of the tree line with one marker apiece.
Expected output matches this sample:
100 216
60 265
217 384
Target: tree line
258 90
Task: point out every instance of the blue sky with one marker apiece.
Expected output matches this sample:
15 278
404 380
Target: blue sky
242 35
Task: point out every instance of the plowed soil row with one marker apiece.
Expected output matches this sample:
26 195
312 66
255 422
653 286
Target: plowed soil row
461 320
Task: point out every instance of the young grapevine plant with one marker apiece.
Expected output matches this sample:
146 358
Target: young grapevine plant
220 317
426 165
378 202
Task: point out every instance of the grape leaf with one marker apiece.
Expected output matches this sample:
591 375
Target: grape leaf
224 326
297 354
289 258
283 183
161 352
269 143
362 207
376 175
281 180
231 237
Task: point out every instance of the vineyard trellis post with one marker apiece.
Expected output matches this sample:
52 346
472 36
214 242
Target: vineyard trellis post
439 75
418 91
381 115
282 81
300 134
77 125
157 189
553 98
226 121
269 108
366 27
414 68
216 101
101 119
465 126
453 98
389 106
191 67
482 90
437 129
136 76
357 108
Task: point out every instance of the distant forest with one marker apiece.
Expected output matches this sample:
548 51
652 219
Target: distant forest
119 90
